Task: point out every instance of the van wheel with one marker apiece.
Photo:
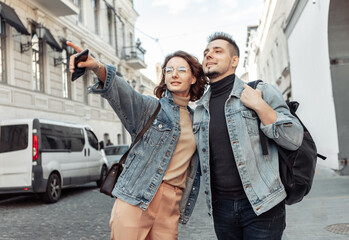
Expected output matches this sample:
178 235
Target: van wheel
102 176
53 189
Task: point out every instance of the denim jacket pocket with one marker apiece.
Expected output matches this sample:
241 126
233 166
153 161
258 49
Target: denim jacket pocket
196 127
157 132
251 120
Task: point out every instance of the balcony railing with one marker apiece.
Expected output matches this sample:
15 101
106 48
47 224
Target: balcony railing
134 56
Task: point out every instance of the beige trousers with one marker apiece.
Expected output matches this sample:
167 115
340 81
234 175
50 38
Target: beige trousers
158 222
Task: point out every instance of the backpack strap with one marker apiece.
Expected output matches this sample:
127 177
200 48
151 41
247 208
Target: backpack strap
263 139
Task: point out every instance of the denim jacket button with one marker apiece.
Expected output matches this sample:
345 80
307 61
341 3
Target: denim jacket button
203 128
160 125
204 149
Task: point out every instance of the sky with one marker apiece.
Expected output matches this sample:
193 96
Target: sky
165 26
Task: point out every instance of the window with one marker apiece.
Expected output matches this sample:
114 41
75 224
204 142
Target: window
2 51
60 138
123 35
131 40
119 138
65 82
102 101
85 85
119 150
13 138
78 3
37 56
92 139
95 6
110 26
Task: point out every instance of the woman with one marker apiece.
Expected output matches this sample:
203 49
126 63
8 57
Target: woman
160 181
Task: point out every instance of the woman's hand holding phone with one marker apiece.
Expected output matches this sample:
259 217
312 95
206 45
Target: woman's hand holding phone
80 61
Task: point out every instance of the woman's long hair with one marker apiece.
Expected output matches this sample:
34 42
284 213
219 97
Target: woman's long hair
198 88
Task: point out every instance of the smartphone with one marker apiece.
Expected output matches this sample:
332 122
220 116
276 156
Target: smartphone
81 57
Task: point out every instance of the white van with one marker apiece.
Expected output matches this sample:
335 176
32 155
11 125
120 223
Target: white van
44 156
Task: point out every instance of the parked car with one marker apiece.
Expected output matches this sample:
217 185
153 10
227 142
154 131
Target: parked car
113 153
43 156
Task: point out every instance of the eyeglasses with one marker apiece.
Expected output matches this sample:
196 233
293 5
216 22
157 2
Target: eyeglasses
180 70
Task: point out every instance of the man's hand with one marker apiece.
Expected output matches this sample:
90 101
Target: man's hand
252 98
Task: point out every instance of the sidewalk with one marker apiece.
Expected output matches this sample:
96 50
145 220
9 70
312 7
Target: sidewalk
326 206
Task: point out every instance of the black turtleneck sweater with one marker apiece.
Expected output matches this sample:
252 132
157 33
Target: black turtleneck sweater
225 179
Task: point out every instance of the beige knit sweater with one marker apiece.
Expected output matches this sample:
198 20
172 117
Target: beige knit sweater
177 171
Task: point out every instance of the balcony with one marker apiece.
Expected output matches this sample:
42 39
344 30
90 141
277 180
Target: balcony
134 56
59 7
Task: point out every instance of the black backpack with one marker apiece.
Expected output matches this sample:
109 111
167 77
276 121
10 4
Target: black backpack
296 168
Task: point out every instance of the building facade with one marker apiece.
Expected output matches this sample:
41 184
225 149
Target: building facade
35 80
267 57
302 47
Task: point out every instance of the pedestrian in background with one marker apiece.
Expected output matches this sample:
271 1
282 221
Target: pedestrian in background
242 185
107 140
160 181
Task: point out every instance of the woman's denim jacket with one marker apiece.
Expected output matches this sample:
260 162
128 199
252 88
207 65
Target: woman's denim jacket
149 159
259 173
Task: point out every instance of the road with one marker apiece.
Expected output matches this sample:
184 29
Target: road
83 213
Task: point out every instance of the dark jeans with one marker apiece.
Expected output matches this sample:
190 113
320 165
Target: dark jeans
236 220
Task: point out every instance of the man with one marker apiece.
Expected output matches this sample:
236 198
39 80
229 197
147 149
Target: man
242 185
107 139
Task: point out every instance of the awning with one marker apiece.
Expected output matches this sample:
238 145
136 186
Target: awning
50 40
10 16
109 6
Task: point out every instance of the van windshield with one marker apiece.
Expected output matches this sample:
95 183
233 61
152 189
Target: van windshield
13 138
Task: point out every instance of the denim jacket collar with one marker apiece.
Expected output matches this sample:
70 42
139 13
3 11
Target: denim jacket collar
168 96
236 92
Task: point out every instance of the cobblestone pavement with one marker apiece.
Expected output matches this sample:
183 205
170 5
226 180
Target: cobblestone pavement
200 225
83 213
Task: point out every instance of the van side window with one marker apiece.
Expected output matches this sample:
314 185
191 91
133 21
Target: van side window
92 139
76 138
13 138
60 138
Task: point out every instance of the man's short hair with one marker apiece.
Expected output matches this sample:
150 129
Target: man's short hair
227 37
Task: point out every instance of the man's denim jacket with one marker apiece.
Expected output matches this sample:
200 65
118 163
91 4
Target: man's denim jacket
149 159
259 173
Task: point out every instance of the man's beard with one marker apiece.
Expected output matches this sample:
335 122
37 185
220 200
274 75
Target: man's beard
213 74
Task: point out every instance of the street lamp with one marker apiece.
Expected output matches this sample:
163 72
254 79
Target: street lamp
141 88
40 32
134 83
